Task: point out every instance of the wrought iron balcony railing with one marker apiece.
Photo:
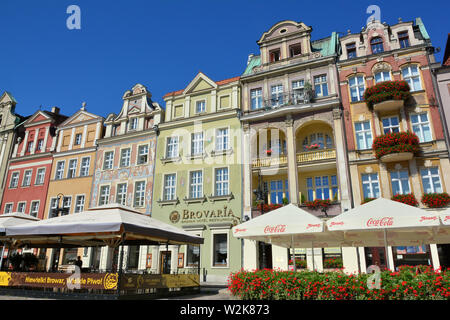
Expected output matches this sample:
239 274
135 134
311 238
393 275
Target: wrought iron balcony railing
295 97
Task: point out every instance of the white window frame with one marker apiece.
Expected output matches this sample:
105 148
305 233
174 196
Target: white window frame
16 184
421 125
169 190
8 207
365 133
216 232
24 203
399 179
39 176
133 124
72 170
222 140
141 196
40 145
321 82
108 164
121 194
140 154
276 92
59 172
201 103
197 143
196 186
84 168
125 154
79 208
78 139
172 147
371 184
37 209
53 205
358 86
105 196
382 76
411 76
430 177
222 182
256 98
25 177
390 126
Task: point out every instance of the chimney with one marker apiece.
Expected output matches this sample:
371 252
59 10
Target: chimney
55 110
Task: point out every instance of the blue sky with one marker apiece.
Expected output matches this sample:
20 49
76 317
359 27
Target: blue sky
159 43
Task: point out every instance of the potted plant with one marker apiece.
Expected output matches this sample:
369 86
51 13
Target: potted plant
396 146
318 204
312 146
269 152
436 200
406 199
387 91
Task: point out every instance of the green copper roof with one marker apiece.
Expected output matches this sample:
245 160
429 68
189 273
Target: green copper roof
422 29
326 46
254 62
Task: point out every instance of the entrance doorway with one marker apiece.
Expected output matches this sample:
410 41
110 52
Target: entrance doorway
375 256
444 255
165 262
265 255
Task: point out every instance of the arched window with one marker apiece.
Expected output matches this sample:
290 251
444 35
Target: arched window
377 45
382 76
317 141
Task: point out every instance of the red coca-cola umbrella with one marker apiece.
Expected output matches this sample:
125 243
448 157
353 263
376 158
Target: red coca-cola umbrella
384 222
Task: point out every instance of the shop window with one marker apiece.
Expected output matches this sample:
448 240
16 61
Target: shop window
70 256
133 257
220 250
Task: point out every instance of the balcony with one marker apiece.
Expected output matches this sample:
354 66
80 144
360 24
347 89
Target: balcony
317 155
295 97
396 146
274 161
387 96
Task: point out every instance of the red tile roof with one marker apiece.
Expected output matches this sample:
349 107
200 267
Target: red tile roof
219 83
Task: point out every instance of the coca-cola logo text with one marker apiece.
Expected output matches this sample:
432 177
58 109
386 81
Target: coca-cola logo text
382 222
275 229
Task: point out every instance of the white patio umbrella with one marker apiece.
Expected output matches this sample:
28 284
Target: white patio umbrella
384 222
442 235
289 227
12 219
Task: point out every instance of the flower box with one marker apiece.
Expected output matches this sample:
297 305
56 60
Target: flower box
388 105
317 204
406 199
436 200
401 145
387 91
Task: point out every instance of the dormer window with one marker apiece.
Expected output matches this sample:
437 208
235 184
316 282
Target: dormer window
377 45
29 146
403 39
351 50
275 55
295 50
133 124
78 137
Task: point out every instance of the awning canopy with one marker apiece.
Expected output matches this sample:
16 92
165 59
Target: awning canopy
288 226
13 219
110 225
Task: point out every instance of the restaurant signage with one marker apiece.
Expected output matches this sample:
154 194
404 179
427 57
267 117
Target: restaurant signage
102 281
151 281
198 216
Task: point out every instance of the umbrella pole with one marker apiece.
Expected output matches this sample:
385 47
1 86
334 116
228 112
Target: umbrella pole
293 252
386 249
312 249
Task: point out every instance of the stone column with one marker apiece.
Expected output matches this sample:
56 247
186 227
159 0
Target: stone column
36 134
84 138
292 161
60 140
213 101
384 182
341 160
434 256
47 133
24 145
416 188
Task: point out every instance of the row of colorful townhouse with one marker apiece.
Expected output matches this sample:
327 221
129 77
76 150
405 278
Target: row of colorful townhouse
293 128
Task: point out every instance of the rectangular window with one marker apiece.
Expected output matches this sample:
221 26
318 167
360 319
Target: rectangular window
14 180
21 207
351 50
200 106
298 91
403 39
276 95
334 187
390 125
34 209
276 191
322 187
400 182
40 176
85 164
79 204
142 154
27 178
377 45
78 137
125 156
222 142
104 195
412 76
220 250
256 98
363 135
274 55
67 203
197 143
40 145
8 208
30 146
370 185
357 88
431 180
295 50
172 147
169 187
421 126
72 170
321 85
133 124
109 160
59 170
139 194
192 256
121 194
221 187
196 185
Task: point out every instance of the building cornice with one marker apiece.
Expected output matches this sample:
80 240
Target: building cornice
222 115
127 136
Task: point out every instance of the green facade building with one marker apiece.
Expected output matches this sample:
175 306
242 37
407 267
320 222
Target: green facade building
198 178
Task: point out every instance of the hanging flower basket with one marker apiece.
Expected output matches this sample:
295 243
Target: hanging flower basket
318 204
396 143
436 200
386 90
406 199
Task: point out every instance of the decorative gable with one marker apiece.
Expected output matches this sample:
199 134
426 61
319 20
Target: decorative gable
199 83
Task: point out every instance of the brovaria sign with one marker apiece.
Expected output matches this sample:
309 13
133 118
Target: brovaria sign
188 216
